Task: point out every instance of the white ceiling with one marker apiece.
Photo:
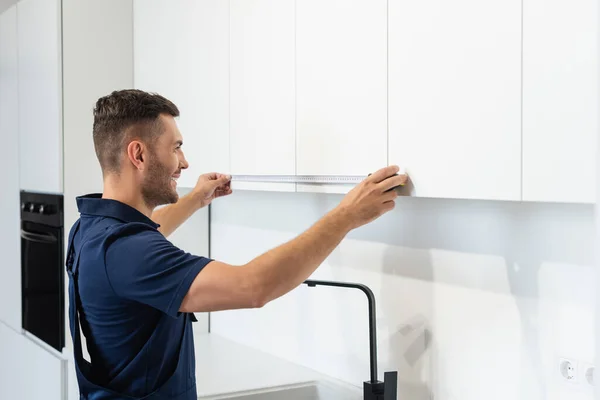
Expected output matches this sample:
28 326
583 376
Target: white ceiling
4 4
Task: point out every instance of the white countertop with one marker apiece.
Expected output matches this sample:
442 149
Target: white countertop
225 366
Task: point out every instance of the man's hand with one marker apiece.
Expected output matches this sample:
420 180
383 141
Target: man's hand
372 197
210 186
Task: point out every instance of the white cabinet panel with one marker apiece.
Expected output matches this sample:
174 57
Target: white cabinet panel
28 371
341 86
181 51
40 98
455 96
10 245
560 100
262 88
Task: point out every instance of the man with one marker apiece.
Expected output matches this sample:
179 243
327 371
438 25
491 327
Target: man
133 292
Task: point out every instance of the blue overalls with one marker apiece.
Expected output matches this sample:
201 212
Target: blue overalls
180 386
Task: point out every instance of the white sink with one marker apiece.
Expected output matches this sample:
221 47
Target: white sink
229 370
319 390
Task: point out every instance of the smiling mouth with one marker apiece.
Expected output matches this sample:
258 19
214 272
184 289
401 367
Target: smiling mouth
176 176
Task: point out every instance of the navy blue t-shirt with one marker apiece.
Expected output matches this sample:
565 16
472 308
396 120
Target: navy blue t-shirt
132 281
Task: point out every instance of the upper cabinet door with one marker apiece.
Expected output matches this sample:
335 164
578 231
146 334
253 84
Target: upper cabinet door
341 86
262 90
40 95
455 96
10 245
181 51
560 100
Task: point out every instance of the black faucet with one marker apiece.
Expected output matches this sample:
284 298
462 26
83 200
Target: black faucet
373 389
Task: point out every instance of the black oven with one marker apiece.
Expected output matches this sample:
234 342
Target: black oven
42 267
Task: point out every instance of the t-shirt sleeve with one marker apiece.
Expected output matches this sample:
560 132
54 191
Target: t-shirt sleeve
142 265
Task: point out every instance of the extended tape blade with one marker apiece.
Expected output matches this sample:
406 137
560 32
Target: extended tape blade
322 179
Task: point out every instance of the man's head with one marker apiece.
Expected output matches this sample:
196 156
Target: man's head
137 141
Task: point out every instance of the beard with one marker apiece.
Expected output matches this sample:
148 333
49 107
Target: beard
157 189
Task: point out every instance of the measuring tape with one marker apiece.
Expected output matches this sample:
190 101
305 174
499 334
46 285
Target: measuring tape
328 179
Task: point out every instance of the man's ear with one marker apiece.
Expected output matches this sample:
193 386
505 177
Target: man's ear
136 152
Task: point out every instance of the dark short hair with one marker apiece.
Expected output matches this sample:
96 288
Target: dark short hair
124 115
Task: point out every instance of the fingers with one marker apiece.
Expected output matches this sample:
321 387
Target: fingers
389 205
218 180
223 178
392 182
383 173
215 176
389 196
223 191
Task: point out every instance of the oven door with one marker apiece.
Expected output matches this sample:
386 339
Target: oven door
42 278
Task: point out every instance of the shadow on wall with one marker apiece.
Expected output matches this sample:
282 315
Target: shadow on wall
429 251
466 226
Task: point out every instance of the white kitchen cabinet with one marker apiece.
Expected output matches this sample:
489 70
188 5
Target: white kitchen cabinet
10 245
262 90
27 370
341 87
560 100
181 51
40 97
455 96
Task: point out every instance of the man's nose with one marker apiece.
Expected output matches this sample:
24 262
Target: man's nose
183 162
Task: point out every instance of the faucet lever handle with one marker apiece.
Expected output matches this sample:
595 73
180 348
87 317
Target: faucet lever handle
390 388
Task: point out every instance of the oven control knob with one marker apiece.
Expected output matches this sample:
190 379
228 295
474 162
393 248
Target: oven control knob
32 207
41 209
23 206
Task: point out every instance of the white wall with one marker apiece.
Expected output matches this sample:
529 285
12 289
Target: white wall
475 299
